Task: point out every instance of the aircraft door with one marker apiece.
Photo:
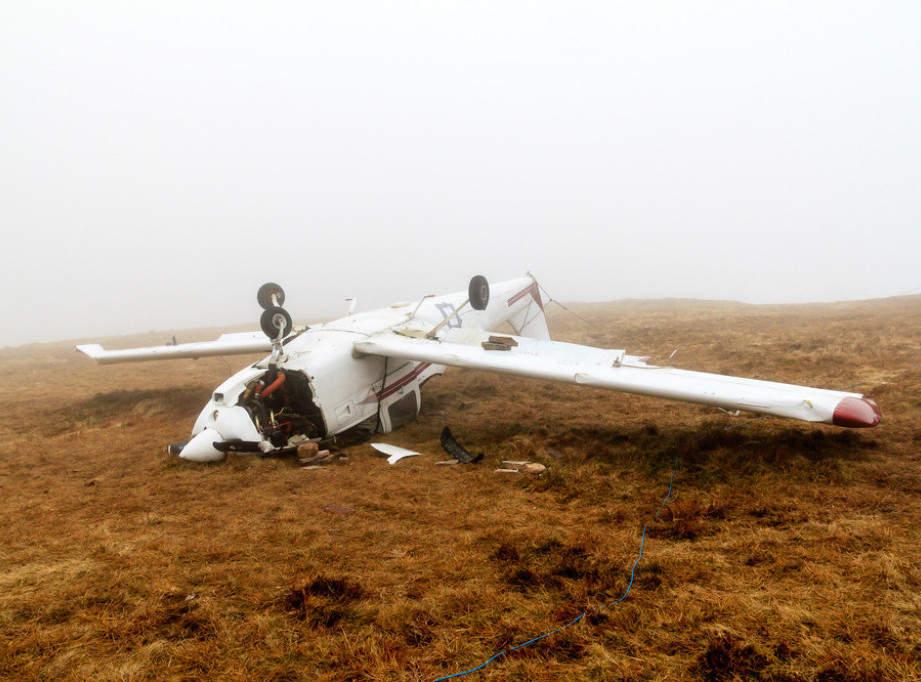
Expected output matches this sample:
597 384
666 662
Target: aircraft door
400 409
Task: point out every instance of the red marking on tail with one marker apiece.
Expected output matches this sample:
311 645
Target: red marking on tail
534 290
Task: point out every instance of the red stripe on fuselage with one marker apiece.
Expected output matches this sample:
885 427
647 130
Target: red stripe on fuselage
533 289
408 379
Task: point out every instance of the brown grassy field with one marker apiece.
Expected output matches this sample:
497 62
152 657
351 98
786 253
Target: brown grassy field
787 551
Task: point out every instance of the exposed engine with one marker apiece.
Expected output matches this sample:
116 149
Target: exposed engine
281 405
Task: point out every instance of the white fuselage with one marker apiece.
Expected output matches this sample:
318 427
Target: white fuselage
348 387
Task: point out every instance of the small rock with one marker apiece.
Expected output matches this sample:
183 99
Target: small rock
533 468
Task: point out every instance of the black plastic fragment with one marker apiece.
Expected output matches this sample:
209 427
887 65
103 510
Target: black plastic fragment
456 450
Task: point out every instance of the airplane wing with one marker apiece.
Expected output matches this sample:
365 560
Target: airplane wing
226 344
615 370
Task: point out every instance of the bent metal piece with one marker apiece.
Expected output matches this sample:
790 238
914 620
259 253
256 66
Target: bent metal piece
456 450
395 452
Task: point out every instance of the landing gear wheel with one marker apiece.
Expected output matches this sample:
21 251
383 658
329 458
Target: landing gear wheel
265 294
478 292
275 319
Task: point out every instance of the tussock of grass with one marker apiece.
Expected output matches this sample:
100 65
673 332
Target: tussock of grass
726 659
122 406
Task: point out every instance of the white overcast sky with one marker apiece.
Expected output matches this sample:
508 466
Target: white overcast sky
160 160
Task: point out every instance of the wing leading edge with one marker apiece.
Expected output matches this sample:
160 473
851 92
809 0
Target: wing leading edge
226 344
615 370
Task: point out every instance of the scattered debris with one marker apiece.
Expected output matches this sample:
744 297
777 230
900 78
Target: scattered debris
499 343
516 467
322 457
338 509
394 452
307 450
447 463
507 340
310 454
456 450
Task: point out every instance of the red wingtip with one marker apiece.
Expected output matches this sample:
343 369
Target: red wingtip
856 413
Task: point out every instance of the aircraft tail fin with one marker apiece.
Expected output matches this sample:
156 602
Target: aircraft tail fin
530 321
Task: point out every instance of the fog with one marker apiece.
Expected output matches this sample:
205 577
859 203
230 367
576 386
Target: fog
160 160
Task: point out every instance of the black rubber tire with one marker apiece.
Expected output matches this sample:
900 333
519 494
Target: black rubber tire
478 292
265 293
272 319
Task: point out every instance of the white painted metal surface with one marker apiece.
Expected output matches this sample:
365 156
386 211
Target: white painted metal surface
614 370
394 452
226 344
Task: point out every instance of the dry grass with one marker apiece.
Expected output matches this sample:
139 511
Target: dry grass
788 552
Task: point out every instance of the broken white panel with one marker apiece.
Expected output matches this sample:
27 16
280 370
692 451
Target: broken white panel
394 452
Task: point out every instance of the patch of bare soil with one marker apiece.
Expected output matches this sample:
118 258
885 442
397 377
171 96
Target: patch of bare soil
786 552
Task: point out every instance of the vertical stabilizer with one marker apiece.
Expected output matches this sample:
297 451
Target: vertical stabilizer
529 320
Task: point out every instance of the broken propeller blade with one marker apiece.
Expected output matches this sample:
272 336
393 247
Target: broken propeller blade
237 445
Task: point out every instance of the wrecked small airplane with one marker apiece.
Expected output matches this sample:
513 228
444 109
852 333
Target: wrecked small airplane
365 370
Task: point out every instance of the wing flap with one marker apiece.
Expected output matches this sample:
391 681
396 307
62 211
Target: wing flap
614 370
226 344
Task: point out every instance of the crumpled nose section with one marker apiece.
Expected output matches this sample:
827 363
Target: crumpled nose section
201 448
235 422
856 413
222 424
